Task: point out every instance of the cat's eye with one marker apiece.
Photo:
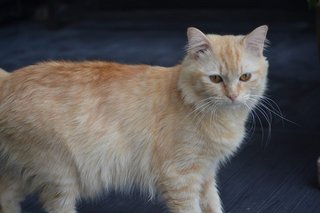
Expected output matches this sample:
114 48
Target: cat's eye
245 77
215 78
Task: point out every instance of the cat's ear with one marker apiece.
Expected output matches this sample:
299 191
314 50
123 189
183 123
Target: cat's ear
198 42
256 40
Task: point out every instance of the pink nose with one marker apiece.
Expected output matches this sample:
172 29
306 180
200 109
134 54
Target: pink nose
232 97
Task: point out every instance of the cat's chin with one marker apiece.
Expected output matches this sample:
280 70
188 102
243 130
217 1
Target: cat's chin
235 105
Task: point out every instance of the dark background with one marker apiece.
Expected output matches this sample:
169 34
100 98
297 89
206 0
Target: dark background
73 9
275 171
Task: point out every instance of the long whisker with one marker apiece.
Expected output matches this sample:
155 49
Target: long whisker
277 114
253 123
257 116
253 101
199 106
200 111
210 105
214 110
263 113
271 106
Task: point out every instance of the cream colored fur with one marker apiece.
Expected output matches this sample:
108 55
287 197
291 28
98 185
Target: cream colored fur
71 130
3 73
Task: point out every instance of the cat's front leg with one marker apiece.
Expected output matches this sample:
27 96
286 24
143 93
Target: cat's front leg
181 192
209 197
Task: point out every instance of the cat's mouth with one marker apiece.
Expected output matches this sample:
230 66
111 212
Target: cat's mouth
220 102
236 103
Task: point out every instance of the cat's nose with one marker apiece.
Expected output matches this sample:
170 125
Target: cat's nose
232 97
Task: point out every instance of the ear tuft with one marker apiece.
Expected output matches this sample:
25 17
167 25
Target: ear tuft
197 42
256 40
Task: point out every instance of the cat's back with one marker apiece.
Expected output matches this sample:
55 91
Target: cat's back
67 77
62 73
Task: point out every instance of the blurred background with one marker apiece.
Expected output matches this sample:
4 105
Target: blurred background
275 171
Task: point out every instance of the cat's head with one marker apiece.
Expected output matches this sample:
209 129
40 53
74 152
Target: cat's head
224 70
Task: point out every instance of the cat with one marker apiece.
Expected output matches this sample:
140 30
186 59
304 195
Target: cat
73 129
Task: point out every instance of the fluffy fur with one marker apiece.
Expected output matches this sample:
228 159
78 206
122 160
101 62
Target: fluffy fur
70 130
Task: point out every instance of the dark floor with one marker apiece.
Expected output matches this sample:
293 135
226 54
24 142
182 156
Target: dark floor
267 175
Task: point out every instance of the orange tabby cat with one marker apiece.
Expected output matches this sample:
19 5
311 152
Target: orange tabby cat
70 130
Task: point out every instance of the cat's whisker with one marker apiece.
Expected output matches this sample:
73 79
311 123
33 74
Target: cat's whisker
253 123
260 122
266 98
263 113
214 110
203 114
253 100
254 117
212 114
273 107
267 109
267 114
200 111
198 107
213 107
277 114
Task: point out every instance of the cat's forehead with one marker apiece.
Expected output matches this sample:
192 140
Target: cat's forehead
228 52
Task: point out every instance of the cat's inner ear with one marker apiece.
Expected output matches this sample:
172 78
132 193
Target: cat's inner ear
198 42
255 41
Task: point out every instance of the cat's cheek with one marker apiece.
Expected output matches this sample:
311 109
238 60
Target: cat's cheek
254 76
212 90
217 91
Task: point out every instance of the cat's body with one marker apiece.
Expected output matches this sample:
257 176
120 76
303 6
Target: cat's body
71 130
